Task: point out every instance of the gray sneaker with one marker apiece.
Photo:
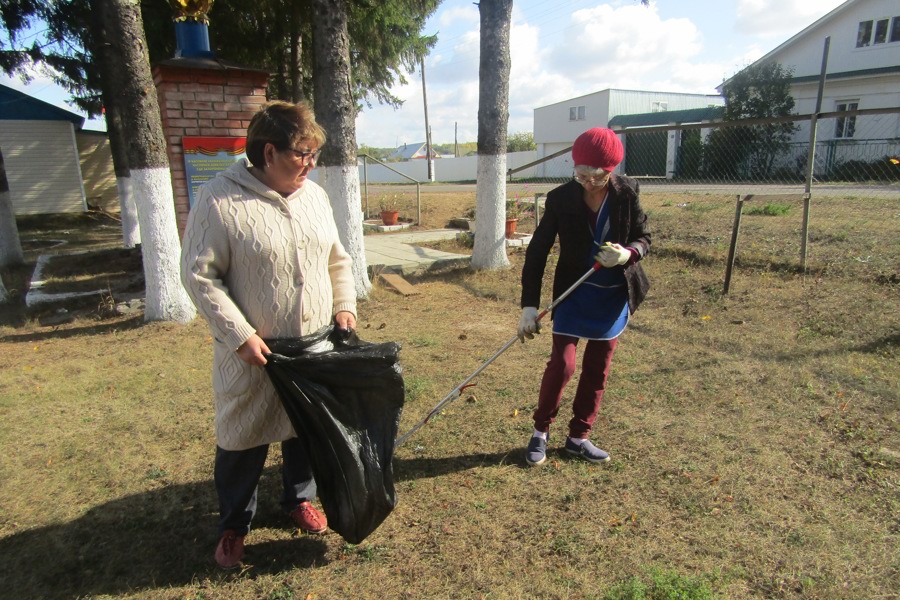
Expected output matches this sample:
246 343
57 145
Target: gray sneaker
536 453
587 451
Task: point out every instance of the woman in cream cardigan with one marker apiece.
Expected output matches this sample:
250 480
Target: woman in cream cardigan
261 258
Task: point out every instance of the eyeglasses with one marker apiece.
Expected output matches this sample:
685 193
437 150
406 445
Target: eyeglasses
597 181
306 157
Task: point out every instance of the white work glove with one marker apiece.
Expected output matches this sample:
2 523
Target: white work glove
528 324
611 255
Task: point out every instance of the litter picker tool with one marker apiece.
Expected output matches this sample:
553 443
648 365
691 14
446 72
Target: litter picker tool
458 390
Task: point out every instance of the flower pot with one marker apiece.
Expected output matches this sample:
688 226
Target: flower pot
511 227
390 217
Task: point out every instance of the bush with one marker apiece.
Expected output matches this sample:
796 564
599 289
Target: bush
883 169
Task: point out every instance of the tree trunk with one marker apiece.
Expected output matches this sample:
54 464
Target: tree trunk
101 48
10 245
134 94
489 251
4 295
296 42
131 232
336 112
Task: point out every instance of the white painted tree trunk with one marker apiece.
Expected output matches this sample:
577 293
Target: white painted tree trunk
10 246
341 183
166 298
489 251
131 231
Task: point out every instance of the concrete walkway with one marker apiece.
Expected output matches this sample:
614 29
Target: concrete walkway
399 253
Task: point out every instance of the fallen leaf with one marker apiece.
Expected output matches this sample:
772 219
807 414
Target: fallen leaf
516 412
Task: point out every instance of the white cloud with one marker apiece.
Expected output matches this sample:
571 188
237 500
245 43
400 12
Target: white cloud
779 17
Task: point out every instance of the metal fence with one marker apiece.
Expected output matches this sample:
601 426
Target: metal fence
855 152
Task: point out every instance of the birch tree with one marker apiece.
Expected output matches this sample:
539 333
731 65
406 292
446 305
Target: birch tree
336 112
489 251
131 85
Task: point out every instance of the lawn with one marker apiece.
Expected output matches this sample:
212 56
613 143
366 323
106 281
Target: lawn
754 437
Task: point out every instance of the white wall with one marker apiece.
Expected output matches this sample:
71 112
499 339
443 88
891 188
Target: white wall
554 131
464 168
42 166
805 53
552 124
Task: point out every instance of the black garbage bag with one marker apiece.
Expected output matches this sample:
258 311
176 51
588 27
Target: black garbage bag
345 403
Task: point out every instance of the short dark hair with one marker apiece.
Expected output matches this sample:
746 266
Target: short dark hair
281 124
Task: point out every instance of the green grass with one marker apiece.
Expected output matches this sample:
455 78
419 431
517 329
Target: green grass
770 209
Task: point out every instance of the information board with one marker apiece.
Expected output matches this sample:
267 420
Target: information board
205 157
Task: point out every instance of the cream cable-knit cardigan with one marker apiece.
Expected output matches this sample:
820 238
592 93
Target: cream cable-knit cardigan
256 262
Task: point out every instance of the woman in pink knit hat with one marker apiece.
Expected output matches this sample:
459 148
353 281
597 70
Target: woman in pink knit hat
596 216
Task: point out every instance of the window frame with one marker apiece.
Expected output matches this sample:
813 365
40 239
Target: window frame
845 127
577 113
881 26
869 26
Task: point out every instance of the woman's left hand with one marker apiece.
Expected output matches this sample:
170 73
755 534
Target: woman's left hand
345 320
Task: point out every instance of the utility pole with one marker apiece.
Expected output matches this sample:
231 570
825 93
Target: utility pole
456 139
428 155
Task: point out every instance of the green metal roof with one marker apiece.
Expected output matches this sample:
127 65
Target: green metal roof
691 115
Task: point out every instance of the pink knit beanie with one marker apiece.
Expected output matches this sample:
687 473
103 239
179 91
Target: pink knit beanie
599 148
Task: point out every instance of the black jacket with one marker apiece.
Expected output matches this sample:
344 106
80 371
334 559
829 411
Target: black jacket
565 216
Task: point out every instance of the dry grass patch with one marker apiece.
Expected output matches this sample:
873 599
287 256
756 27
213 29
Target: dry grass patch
754 440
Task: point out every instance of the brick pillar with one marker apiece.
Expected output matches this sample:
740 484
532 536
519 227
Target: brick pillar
201 97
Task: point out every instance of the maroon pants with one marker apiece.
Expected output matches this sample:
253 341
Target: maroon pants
591 384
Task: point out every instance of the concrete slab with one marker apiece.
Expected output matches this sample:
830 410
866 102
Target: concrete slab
399 252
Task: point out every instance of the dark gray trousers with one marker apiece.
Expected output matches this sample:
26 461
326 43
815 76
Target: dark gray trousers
237 474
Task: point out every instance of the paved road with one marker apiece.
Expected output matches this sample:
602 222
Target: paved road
891 191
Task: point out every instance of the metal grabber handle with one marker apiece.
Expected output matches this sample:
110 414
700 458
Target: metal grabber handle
458 390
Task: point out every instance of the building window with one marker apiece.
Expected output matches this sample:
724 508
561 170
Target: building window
576 113
880 28
659 107
845 127
864 35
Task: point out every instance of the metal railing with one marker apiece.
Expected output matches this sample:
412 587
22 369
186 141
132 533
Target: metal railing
366 158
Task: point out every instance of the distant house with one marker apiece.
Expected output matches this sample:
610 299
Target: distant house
863 72
557 125
41 155
412 151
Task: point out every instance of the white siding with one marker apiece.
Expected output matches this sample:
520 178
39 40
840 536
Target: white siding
553 130
804 53
42 166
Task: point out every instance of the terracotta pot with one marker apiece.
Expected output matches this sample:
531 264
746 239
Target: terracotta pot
390 217
511 227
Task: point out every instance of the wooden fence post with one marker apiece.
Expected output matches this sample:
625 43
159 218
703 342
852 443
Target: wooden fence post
739 207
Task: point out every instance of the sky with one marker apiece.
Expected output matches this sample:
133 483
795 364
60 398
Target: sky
562 49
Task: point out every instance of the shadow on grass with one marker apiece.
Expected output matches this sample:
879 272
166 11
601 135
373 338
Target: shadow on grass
406 469
154 540
93 329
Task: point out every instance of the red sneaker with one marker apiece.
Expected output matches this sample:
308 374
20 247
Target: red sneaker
308 519
230 550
